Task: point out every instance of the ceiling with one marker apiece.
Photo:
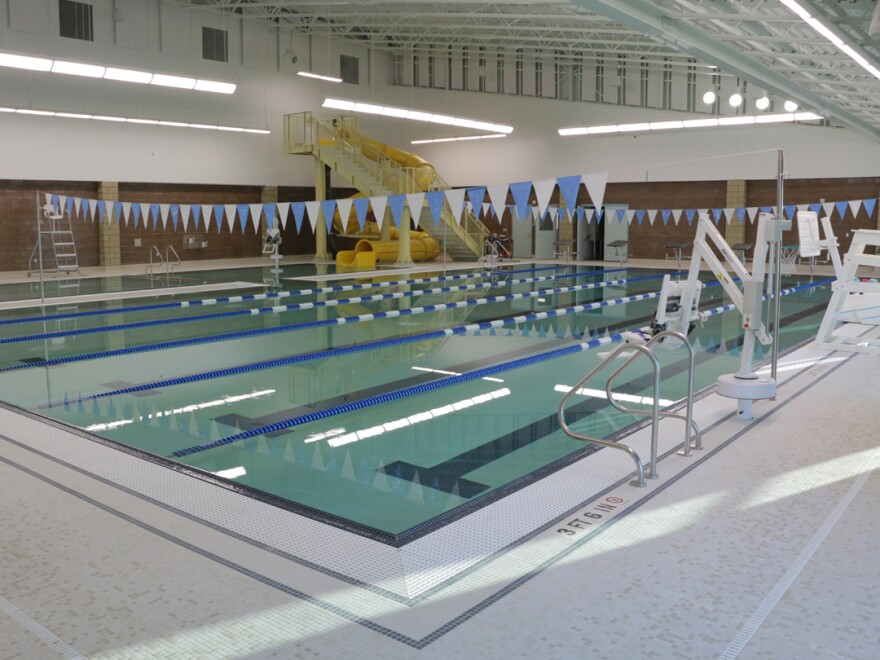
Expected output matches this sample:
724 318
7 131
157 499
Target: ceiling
760 41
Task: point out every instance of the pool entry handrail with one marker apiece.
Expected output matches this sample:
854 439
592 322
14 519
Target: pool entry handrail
169 264
655 414
160 261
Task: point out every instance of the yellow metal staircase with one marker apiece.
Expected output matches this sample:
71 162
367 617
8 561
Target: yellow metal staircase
376 169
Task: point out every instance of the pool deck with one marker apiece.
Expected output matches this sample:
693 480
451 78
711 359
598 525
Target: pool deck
762 545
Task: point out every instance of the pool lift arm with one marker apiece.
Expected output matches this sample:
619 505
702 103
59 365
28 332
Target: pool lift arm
678 307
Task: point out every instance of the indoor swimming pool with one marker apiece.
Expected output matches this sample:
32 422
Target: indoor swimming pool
387 405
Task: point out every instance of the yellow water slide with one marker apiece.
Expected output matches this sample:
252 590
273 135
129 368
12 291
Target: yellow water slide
423 247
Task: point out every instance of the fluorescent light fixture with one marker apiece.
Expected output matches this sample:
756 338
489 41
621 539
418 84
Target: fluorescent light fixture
774 119
258 131
214 86
709 122
77 69
74 115
736 121
128 75
824 31
209 127
175 124
133 120
709 97
796 8
107 118
790 106
25 62
735 100
762 103
308 74
599 130
173 81
42 113
664 125
700 123
7 109
457 139
578 130
234 129
415 115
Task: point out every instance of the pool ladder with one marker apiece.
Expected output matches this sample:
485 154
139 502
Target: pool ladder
655 412
160 261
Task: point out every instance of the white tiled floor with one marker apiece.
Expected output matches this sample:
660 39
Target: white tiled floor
766 540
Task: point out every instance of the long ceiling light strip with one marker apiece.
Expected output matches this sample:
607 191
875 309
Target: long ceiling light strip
131 120
111 73
711 122
415 115
309 74
457 139
829 34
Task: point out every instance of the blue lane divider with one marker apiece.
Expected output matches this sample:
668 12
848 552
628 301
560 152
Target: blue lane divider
441 383
192 341
285 294
360 348
134 325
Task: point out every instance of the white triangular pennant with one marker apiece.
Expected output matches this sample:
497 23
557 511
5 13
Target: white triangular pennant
729 214
629 216
256 212
652 215
379 204
126 211
77 202
829 208
535 213
595 185
455 199
344 207
543 192
803 207
589 213
498 197
230 216
93 207
676 215
486 206
752 212
415 202
313 209
855 205
163 213
184 215
283 208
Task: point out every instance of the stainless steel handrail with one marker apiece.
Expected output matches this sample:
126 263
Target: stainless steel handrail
149 270
687 418
655 413
169 265
640 469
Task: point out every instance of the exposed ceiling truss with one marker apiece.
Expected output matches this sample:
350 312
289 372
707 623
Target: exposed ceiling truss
760 41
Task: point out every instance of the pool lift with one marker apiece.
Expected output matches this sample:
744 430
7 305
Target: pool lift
678 307
271 245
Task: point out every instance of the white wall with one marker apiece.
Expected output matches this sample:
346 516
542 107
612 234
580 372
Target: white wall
43 148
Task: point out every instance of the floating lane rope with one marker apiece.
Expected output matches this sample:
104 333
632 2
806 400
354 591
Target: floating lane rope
316 324
359 348
285 294
136 325
444 382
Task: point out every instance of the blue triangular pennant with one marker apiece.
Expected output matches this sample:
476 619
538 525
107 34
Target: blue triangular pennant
869 205
476 195
396 202
640 216
716 215
242 212
665 215
741 214
269 209
841 209
620 214
70 206
521 192
136 213
790 210
102 205
218 215
328 209
690 213
154 211
600 213
815 207
299 210
117 211
766 209
175 211
435 203
196 213
569 186
361 207
85 209
55 201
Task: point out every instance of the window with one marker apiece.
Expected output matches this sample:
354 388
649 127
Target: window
215 44
539 77
518 71
499 74
349 69
75 20
432 70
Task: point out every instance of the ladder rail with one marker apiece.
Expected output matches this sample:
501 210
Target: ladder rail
169 265
150 268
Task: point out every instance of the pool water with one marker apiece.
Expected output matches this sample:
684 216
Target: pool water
428 443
